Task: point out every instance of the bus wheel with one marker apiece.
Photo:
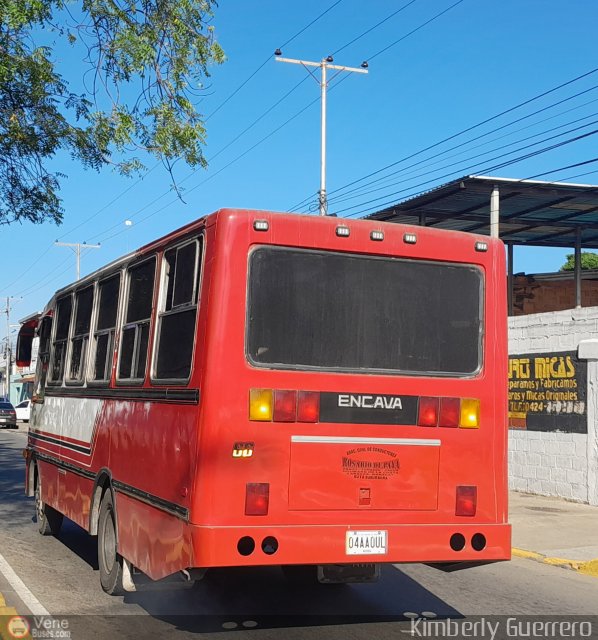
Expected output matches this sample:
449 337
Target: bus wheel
109 562
49 520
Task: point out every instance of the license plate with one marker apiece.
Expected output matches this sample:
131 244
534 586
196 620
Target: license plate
365 543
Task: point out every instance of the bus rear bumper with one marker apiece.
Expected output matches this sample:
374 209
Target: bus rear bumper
327 544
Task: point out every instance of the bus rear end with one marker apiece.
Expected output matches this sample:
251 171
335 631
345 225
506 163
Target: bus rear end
353 404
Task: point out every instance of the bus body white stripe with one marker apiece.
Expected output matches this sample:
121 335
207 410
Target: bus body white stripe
71 417
417 442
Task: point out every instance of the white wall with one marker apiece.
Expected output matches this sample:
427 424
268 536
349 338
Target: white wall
555 463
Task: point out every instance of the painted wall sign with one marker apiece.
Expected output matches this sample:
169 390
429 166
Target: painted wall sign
547 392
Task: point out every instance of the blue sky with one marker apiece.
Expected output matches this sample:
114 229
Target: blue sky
478 59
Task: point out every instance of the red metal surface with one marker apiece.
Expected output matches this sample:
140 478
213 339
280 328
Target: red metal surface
217 547
183 453
333 476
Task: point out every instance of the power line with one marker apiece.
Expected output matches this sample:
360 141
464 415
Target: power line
99 236
470 128
125 191
263 64
378 24
421 26
102 209
226 166
267 136
348 196
465 169
441 154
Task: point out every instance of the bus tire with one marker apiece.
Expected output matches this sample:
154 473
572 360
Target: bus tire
110 562
49 520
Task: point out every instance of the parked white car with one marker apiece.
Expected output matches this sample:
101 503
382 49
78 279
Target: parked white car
23 410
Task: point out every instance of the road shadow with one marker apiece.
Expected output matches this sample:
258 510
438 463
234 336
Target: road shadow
262 598
12 477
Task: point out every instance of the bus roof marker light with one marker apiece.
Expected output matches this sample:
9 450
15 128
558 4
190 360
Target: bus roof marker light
261 405
410 238
481 246
343 232
261 225
377 236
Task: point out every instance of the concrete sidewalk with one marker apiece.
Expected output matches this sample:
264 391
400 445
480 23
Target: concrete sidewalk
554 531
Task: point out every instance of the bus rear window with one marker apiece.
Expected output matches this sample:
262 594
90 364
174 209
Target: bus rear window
336 311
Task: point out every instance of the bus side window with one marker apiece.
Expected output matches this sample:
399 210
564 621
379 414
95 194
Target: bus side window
103 336
64 308
43 358
84 305
135 332
177 313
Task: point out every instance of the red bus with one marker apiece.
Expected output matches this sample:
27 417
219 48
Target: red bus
260 388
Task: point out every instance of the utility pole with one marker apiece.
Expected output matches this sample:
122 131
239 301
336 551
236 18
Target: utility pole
8 355
77 247
324 65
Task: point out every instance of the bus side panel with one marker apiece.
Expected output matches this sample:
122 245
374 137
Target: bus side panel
151 456
75 498
49 479
499 343
154 541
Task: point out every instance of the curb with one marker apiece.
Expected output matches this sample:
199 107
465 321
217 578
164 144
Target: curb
585 567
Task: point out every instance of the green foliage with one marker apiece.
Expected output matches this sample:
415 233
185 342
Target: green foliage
589 260
155 52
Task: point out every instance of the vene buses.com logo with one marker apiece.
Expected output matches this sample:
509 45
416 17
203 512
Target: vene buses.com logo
18 627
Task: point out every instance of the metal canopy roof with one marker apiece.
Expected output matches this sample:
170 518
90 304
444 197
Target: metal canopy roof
532 212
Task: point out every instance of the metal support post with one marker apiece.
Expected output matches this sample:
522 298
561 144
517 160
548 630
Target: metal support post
577 268
510 278
494 212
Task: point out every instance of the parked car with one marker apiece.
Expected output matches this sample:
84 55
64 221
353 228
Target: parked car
8 416
23 410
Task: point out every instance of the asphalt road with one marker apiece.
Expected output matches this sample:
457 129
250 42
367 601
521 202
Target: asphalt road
62 574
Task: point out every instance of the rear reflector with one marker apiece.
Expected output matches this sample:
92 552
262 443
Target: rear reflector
428 412
467 499
257 497
450 409
260 404
470 413
285 406
308 406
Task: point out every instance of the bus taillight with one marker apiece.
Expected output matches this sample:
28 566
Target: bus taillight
450 410
308 406
260 404
470 413
467 498
266 405
257 498
285 406
428 412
